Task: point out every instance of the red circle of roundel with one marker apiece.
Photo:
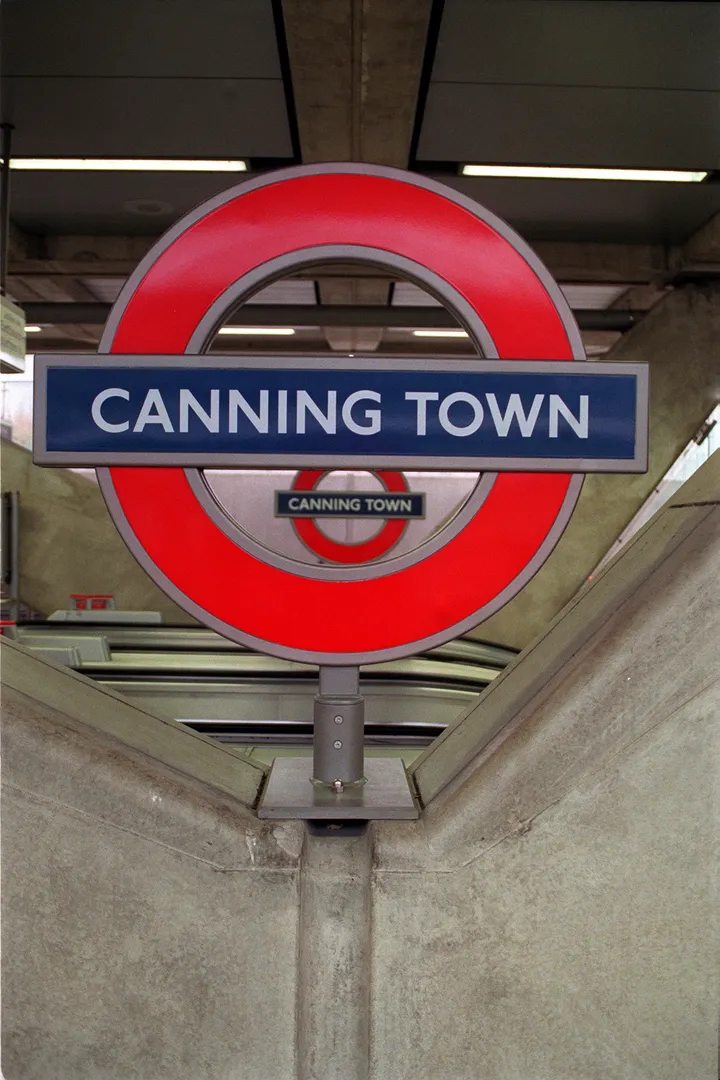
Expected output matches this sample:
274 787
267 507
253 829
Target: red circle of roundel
289 614
365 551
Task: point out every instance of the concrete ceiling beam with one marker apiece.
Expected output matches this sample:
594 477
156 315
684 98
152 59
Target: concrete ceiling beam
82 247
355 68
54 292
572 261
704 245
71 267
20 244
394 40
353 292
591 263
343 313
640 297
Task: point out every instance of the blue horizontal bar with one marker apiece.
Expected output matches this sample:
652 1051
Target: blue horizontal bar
140 413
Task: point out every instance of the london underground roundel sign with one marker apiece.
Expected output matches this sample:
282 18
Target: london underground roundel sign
153 411
350 553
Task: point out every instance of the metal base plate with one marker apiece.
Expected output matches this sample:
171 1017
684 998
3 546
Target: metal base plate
385 796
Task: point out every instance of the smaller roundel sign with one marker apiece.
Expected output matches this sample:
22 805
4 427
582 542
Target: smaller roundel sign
349 553
155 410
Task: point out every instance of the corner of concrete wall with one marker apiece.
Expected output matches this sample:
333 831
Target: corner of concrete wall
554 911
681 536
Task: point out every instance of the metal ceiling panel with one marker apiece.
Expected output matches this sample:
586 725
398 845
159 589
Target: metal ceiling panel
196 118
570 125
101 203
538 209
106 289
592 297
290 291
140 39
613 212
406 294
619 43
579 297
286 292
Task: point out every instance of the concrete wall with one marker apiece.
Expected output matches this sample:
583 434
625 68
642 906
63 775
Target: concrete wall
149 920
552 915
69 544
678 340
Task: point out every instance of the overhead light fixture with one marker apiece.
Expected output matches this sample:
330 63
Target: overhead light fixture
552 172
258 331
128 165
441 333
33 329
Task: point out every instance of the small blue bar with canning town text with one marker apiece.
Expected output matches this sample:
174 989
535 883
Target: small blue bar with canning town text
405 505
201 411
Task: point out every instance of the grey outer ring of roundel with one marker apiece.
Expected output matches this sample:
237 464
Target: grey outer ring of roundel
263 275
261 644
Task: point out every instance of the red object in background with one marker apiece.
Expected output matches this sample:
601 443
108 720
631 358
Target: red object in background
93 601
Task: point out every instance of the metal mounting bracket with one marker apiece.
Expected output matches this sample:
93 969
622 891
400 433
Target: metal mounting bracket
338 783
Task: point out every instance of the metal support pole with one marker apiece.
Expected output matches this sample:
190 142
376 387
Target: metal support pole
339 729
5 204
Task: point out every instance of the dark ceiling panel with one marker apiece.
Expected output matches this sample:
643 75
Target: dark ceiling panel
95 203
605 211
211 118
622 43
140 38
553 125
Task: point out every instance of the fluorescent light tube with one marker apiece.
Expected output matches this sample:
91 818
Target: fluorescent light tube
128 165
258 331
552 172
440 333
33 329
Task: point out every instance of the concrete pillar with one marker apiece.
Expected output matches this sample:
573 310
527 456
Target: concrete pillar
334 958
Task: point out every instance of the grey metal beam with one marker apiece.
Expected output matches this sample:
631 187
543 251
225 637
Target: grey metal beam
323 315
117 256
